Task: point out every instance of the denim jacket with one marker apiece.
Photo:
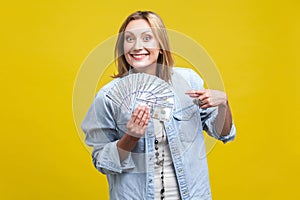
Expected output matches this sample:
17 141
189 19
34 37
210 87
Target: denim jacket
133 178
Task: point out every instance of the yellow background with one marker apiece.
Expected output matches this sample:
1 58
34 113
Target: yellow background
255 45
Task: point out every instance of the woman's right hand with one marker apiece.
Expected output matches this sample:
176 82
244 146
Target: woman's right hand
136 127
138 122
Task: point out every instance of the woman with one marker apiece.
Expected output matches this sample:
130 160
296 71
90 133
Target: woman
142 157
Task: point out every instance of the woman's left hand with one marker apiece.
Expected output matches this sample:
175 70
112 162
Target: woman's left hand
208 98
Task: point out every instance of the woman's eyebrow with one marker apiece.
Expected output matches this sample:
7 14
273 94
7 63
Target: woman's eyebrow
128 32
147 31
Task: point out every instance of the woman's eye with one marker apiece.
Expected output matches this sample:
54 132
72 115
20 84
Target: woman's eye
147 38
129 39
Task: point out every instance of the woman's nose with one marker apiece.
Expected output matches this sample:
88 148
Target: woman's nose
138 44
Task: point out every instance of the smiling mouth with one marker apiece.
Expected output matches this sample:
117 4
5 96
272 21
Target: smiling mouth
139 56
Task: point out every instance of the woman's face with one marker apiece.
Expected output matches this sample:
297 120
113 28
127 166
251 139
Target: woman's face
141 48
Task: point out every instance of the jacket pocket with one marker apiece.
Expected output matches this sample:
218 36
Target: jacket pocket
187 120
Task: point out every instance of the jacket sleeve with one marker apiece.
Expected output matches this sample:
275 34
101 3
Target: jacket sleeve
209 115
101 134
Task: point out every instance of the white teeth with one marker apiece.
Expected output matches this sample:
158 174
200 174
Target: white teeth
138 55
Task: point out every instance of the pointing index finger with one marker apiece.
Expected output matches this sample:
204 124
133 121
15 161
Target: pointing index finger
195 93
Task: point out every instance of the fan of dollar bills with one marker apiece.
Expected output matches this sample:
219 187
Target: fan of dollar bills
140 88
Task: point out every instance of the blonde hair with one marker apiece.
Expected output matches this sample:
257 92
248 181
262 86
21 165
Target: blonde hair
164 61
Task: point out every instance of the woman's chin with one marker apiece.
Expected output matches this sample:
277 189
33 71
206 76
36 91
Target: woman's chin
141 66
150 69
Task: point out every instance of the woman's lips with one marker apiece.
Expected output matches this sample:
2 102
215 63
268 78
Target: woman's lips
139 56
